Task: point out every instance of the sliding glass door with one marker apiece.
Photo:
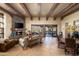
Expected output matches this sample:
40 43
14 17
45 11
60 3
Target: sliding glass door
54 31
47 30
51 30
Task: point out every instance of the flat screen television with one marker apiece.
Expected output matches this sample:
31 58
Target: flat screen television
19 25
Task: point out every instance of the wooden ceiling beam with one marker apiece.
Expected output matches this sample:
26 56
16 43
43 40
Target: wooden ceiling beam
54 18
9 5
26 9
52 9
40 11
10 13
47 17
66 10
39 17
62 11
6 11
72 10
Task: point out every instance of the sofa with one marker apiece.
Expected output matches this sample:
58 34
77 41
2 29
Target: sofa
7 44
34 38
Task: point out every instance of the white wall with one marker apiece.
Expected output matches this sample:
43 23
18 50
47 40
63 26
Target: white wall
69 19
42 20
7 24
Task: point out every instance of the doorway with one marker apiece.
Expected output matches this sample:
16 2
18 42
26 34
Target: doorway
51 30
47 30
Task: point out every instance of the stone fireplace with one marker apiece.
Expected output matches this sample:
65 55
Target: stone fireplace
17 27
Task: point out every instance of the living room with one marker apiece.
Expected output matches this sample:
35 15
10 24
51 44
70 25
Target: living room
19 21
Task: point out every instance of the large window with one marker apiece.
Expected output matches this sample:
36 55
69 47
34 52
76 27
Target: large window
1 25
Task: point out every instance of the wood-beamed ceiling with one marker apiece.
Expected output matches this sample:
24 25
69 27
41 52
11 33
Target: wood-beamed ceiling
51 11
71 10
11 6
62 11
10 13
40 10
26 9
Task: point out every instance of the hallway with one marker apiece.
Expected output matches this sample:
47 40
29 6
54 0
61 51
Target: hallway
47 48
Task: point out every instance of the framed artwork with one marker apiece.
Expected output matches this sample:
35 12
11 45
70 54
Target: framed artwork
66 24
76 24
